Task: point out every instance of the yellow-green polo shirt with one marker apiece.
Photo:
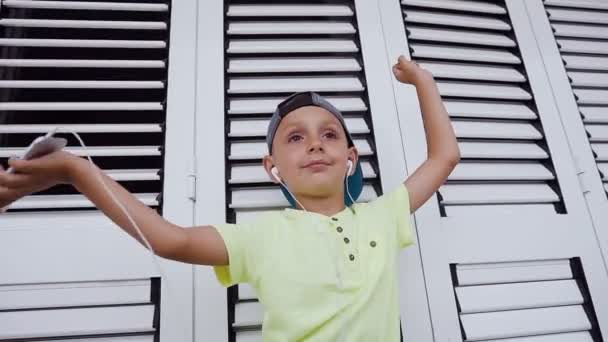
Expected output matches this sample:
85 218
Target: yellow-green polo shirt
323 278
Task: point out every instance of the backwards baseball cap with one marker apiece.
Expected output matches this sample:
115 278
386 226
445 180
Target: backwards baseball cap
301 99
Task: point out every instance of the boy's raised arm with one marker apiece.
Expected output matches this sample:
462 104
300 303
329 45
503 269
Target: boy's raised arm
443 153
200 245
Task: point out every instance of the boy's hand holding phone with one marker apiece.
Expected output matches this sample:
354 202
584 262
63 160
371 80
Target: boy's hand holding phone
35 175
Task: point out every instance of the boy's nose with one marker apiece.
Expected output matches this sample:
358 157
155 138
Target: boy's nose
315 145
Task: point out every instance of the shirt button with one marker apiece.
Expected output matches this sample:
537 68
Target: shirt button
339 229
351 257
346 240
334 219
373 243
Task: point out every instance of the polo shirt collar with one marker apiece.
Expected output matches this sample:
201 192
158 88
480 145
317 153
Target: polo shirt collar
299 213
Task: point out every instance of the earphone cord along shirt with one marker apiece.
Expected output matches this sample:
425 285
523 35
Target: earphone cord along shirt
323 278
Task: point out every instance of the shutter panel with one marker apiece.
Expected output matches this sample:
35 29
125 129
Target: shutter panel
512 300
575 53
103 69
500 242
485 89
125 310
273 50
99 68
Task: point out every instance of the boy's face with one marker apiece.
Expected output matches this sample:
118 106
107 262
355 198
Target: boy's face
310 150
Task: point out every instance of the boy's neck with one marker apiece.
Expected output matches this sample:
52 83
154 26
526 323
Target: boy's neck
328 206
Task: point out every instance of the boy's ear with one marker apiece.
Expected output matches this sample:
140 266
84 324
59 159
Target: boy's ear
353 155
268 164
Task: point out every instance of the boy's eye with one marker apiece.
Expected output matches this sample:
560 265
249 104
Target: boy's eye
295 137
331 134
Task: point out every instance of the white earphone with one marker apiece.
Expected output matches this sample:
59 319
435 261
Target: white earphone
350 167
275 173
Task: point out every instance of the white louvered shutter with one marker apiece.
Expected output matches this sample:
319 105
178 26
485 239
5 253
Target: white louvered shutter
573 38
274 50
270 50
101 69
514 200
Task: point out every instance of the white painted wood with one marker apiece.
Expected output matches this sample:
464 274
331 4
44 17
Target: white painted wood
593 4
281 45
582 31
500 171
501 150
85 24
582 336
263 105
588 79
505 324
513 272
301 28
580 16
84 43
292 64
583 46
248 314
81 63
464 54
88 5
288 10
499 210
80 321
460 36
496 193
472 21
481 90
458 5
254 85
586 62
496 130
473 72
487 109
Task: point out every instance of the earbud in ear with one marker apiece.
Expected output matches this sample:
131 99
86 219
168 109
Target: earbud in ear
275 173
350 167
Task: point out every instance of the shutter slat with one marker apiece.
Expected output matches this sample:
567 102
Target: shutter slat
502 150
464 54
593 4
80 63
591 96
589 79
18 297
291 46
506 324
492 110
95 151
500 297
263 105
70 201
473 72
293 64
76 321
459 5
479 90
293 84
258 127
500 171
80 106
578 16
86 5
84 43
601 151
85 24
580 31
500 210
513 272
301 27
84 128
586 62
454 194
273 197
257 150
594 114
246 292
460 36
583 46
84 84
248 315
470 21
496 130
597 133
603 168
288 10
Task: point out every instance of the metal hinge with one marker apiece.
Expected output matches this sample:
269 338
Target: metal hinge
582 178
191 179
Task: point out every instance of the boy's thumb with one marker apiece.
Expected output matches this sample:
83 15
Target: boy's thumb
18 164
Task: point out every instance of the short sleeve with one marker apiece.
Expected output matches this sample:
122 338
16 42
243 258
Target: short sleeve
397 204
239 241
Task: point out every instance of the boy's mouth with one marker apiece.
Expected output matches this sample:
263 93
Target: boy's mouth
316 164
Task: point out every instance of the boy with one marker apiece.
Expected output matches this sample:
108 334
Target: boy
325 271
